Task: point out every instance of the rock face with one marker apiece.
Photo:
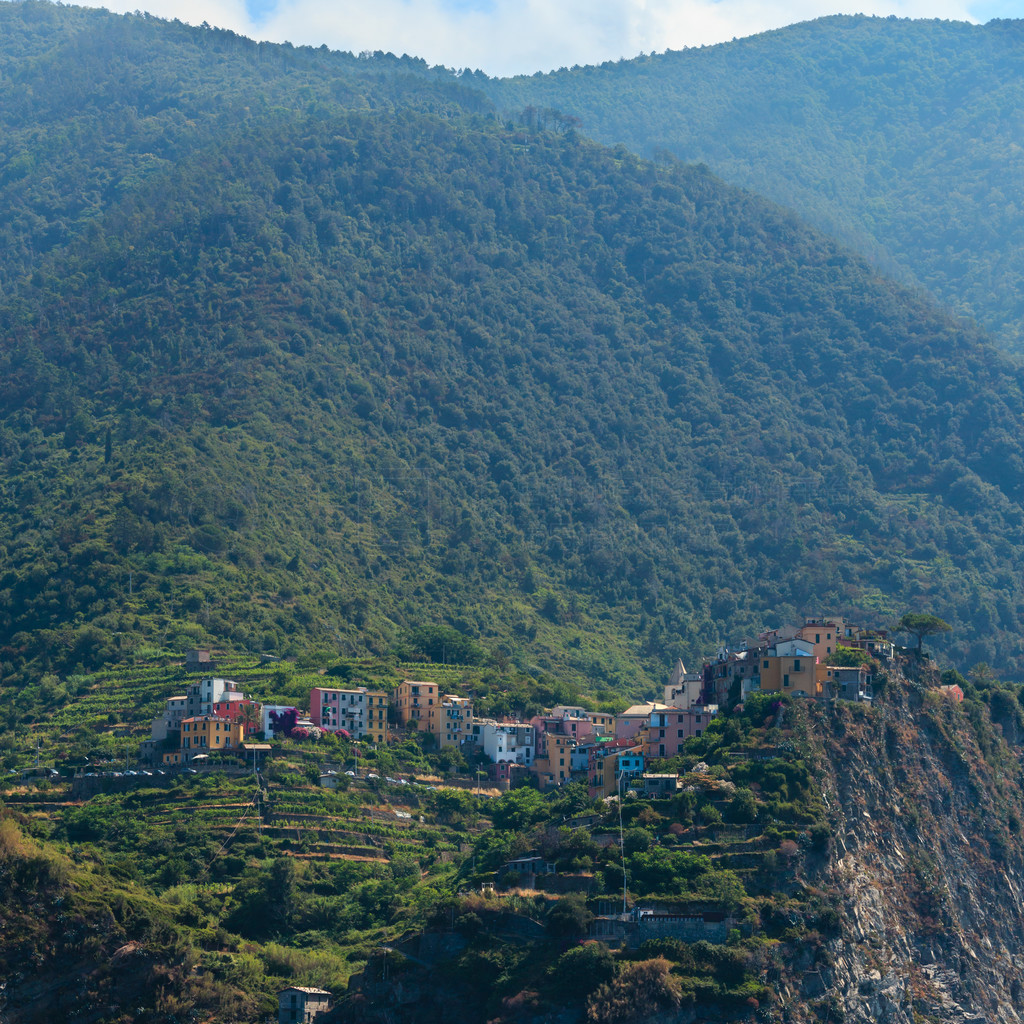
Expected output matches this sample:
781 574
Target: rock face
927 857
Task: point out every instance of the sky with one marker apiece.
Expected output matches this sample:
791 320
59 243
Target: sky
507 37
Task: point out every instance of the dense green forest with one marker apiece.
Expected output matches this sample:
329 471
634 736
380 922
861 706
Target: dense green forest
308 352
901 138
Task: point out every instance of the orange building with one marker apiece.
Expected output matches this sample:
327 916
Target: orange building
418 702
553 763
792 666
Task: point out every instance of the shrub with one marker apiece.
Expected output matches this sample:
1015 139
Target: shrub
641 990
743 807
583 968
569 916
711 815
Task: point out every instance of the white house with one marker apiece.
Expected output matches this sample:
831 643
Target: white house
505 741
301 1005
200 697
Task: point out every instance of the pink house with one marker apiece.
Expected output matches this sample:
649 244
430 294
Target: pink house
668 729
632 721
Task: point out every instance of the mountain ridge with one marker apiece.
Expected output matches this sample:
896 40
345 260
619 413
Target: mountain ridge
896 136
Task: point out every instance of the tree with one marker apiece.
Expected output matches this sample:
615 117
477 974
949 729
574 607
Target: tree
848 656
583 968
519 809
569 916
743 806
922 625
284 721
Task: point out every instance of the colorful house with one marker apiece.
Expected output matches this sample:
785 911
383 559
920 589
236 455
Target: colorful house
619 759
418 703
200 697
564 721
552 763
168 725
684 689
631 722
506 741
667 730
792 666
208 734
455 721
247 712
360 712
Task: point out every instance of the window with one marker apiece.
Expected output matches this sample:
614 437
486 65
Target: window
766 663
681 733
796 664
785 679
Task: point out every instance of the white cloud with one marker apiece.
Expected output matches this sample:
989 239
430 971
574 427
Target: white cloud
522 36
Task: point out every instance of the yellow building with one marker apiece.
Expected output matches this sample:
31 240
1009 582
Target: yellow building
825 633
606 768
376 728
455 721
207 734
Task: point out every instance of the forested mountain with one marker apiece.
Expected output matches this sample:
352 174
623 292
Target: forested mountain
307 350
901 138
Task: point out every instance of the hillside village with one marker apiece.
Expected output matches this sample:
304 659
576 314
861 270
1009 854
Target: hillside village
697 827
824 658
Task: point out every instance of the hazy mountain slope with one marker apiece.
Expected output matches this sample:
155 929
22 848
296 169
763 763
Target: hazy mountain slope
901 138
339 370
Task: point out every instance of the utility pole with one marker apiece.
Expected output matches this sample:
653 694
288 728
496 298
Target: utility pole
622 845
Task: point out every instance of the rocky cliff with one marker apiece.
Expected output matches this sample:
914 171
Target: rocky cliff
926 799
